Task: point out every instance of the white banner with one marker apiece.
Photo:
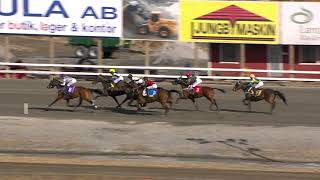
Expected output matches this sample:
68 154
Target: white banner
300 23
62 17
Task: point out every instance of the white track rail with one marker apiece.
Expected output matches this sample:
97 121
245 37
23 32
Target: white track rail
156 68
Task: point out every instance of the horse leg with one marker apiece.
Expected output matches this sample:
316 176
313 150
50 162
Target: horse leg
68 103
125 100
138 107
166 107
213 101
130 103
170 103
272 102
249 105
89 100
245 102
79 104
57 99
116 100
181 97
195 104
273 105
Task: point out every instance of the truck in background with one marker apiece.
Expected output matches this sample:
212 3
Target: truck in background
86 47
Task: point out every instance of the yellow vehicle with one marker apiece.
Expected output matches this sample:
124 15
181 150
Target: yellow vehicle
157 25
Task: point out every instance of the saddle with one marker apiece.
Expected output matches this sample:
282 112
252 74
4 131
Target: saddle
151 92
197 89
258 92
69 90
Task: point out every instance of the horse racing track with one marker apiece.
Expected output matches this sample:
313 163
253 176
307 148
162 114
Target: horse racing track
302 109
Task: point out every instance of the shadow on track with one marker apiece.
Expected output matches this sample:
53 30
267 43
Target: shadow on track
52 109
174 109
130 112
244 111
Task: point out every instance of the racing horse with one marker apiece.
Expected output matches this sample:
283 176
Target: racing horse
204 91
124 89
267 94
79 92
162 96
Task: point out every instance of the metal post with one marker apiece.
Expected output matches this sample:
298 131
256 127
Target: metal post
195 62
147 56
100 53
242 58
6 52
291 59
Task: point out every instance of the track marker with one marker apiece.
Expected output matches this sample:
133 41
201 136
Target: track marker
25 108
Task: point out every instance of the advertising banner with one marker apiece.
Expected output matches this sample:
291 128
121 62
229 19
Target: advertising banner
300 23
150 20
229 22
64 17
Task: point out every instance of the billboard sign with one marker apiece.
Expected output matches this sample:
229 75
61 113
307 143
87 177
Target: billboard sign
300 23
229 22
64 17
150 20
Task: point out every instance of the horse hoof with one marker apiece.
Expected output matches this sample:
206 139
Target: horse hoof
95 107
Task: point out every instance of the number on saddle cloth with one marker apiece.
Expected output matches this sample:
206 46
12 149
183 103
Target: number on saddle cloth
69 89
197 89
152 92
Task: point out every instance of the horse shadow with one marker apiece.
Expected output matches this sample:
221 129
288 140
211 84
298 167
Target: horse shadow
174 109
129 111
79 109
51 109
244 111
238 144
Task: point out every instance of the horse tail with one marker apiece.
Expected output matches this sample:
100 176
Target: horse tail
221 90
174 91
97 91
281 96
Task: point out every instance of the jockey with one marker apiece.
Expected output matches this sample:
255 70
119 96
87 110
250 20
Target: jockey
68 82
193 80
254 84
149 85
115 77
137 80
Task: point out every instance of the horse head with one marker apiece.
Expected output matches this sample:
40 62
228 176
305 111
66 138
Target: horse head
239 85
55 82
96 80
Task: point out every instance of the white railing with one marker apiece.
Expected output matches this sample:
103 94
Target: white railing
155 68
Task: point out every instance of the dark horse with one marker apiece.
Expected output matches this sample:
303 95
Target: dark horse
123 89
163 96
80 92
269 95
205 91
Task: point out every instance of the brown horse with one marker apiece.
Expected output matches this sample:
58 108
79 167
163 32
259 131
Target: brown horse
163 96
122 89
79 92
269 95
205 91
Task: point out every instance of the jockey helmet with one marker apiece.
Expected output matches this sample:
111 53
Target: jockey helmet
145 78
252 76
130 76
112 70
189 74
62 75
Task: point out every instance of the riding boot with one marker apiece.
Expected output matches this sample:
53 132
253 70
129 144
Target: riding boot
147 90
254 92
